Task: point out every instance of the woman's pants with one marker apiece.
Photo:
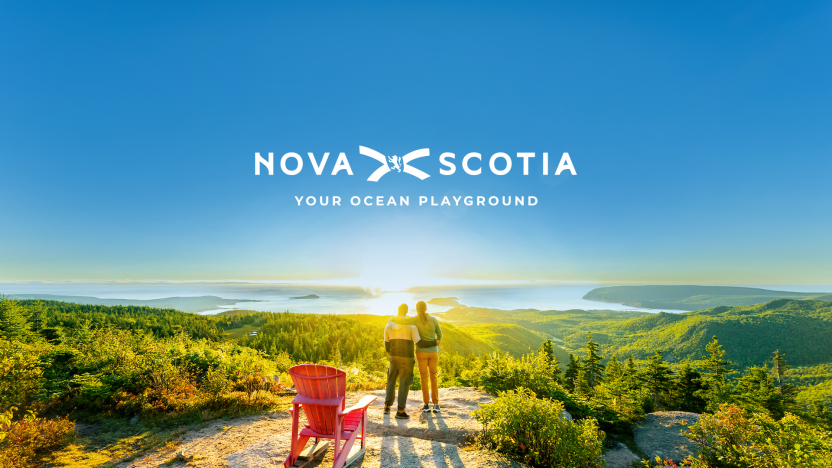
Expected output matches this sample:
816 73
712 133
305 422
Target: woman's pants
428 363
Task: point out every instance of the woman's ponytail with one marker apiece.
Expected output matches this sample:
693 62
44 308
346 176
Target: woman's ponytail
421 308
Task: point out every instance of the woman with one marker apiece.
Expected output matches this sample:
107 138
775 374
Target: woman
427 353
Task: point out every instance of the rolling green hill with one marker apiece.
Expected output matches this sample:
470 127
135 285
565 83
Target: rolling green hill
692 297
801 329
513 339
555 324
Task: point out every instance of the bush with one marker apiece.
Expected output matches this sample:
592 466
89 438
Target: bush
532 371
733 437
534 431
20 373
23 442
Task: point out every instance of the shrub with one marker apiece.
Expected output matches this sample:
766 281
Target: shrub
20 373
733 437
23 442
534 431
532 371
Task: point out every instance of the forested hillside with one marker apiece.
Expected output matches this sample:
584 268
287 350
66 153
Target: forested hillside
685 297
799 329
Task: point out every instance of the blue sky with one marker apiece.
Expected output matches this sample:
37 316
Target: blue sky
700 133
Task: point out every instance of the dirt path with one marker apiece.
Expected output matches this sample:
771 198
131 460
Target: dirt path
426 440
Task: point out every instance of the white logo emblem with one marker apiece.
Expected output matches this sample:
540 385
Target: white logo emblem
399 164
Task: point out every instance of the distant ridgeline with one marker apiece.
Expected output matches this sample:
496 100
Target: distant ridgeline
693 297
186 304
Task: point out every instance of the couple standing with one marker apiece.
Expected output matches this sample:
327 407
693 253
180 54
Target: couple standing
407 341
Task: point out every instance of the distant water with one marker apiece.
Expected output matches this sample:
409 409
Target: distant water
338 299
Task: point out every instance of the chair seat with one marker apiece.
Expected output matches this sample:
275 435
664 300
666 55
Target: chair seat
351 423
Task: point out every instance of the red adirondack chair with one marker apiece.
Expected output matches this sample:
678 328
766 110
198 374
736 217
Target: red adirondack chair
321 392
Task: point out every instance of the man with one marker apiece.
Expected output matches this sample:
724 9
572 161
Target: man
399 341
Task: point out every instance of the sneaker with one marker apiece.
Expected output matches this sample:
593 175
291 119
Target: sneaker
386 410
436 408
402 415
426 408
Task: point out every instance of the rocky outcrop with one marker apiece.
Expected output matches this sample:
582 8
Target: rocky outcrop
660 435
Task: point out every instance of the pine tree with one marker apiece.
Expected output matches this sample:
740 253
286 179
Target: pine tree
779 367
686 390
547 349
657 376
631 374
573 369
757 392
592 364
37 316
614 371
13 324
716 370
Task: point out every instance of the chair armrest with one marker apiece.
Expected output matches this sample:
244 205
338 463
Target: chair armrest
361 405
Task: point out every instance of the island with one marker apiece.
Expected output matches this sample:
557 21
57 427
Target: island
446 301
308 296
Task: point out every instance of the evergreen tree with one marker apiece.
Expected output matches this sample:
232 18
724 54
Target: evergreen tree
582 383
571 375
686 390
37 316
13 324
616 390
657 376
716 373
631 374
614 371
779 367
757 392
593 368
548 350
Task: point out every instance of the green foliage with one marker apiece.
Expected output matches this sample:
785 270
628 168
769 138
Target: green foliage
13 323
573 373
735 438
533 371
716 370
800 329
20 372
510 338
315 338
757 392
534 431
686 390
159 322
548 350
592 367
657 377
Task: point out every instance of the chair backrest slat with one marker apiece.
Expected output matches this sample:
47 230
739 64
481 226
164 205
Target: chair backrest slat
320 383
